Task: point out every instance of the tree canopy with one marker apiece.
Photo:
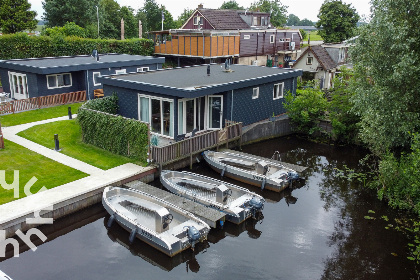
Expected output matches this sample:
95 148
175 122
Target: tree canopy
15 16
231 5
293 20
386 61
277 10
183 17
58 12
337 20
151 16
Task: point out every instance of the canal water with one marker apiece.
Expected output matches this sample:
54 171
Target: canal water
315 230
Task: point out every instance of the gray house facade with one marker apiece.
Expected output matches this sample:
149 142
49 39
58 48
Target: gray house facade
34 77
177 101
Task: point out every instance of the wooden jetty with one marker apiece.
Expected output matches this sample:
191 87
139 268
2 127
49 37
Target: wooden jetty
299 169
209 215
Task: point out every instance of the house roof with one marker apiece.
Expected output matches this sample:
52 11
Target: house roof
223 19
51 65
193 81
321 55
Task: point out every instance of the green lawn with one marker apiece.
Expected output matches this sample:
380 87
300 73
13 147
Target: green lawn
71 144
38 115
315 36
48 172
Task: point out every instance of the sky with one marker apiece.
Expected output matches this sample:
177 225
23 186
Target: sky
302 8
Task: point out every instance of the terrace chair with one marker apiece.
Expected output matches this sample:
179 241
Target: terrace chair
180 137
193 132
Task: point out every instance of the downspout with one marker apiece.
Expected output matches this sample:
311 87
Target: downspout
87 82
231 108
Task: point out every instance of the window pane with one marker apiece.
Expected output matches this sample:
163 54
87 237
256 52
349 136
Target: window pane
144 109
190 115
51 81
166 117
60 80
156 117
67 79
180 117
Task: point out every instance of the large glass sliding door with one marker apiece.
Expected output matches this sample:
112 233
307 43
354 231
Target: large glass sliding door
159 112
191 115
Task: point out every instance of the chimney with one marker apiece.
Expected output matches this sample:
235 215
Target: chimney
200 6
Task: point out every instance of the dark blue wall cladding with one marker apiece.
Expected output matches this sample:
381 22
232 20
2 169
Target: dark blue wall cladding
37 83
248 110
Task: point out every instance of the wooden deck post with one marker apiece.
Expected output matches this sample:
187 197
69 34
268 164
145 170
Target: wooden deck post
227 137
1 139
218 140
240 136
11 105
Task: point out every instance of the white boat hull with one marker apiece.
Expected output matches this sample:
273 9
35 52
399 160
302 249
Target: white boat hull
172 241
203 190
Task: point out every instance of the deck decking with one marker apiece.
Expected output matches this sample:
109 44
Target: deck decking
208 215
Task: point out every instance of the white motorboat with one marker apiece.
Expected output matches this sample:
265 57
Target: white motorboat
236 202
160 224
266 174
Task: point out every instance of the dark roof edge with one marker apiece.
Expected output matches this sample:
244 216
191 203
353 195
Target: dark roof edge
205 90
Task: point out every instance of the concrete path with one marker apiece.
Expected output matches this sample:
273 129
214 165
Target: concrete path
66 198
10 132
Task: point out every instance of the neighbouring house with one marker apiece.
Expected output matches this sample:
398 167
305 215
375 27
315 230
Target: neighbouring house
317 64
177 101
340 52
246 37
33 77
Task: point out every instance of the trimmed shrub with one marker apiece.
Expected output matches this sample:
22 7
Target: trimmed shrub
20 45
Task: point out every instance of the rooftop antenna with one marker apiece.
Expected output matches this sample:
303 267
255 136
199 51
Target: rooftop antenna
95 55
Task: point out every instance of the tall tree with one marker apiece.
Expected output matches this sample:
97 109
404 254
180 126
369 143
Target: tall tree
151 17
306 22
131 24
15 16
58 12
292 20
337 20
276 9
184 17
386 62
231 5
109 19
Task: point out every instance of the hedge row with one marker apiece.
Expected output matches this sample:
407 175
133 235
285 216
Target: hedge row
21 45
119 135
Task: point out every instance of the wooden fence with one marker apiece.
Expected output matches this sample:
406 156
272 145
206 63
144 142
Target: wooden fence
17 106
196 144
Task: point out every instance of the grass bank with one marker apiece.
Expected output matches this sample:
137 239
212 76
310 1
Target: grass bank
38 115
48 172
71 144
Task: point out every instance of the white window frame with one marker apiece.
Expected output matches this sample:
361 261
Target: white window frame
272 39
143 69
19 90
120 71
56 80
150 97
198 20
255 93
309 58
98 74
278 91
247 37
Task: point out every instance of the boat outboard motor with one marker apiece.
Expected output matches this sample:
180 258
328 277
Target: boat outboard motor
256 205
293 175
193 235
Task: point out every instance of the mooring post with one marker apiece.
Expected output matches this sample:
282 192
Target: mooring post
57 143
69 111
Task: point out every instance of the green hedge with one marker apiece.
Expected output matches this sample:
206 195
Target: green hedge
107 104
21 45
119 135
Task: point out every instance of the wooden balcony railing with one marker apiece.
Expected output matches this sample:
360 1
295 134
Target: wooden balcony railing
197 144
